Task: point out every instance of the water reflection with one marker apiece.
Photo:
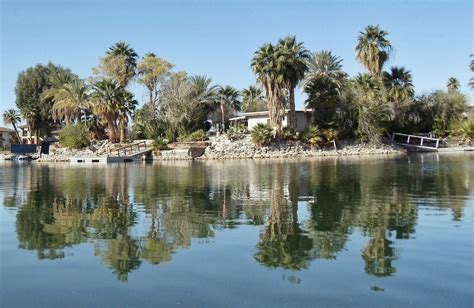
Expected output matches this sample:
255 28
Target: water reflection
145 213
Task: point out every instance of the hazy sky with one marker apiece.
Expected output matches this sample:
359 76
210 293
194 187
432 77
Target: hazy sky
433 39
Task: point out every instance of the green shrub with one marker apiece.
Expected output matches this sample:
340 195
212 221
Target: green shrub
288 134
235 132
311 135
466 130
262 134
330 135
160 144
198 135
75 136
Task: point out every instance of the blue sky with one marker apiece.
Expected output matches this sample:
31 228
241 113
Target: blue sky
433 39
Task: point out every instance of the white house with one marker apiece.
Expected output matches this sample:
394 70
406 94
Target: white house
6 136
251 119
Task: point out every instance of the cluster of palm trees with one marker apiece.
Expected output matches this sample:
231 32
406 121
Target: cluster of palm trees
364 106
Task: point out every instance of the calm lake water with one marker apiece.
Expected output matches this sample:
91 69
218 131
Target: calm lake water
336 232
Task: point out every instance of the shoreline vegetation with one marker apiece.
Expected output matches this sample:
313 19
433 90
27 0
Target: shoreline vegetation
349 115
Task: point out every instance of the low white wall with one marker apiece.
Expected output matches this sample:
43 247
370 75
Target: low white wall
303 120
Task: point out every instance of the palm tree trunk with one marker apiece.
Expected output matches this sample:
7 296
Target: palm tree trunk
17 134
292 120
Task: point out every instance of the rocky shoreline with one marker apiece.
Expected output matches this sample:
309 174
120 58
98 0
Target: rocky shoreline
221 147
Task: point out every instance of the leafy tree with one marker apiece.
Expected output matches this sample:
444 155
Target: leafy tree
448 109
253 99
295 57
373 110
373 49
181 109
152 72
268 65
11 116
31 86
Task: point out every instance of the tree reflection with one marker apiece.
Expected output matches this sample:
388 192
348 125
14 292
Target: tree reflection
146 213
282 242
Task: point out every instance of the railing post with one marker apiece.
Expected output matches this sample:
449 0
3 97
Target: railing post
437 143
421 142
408 140
393 136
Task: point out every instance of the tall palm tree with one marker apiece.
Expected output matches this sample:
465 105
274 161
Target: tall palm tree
123 51
453 85
105 101
471 66
399 84
268 66
296 57
373 49
11 116
70 101
253 99
126 104
228 97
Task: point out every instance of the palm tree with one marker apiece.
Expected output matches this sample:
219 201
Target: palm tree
228 97
324 83
453 85
471 66
296 57
12 117
373 49
105 101
125 105
204 90
325 65
123 52
69 101
268 66
399 84
253 99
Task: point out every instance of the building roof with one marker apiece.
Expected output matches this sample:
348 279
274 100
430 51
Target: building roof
265 113
6 129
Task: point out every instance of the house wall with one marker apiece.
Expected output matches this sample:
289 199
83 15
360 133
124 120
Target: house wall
303 120
252 122
5 138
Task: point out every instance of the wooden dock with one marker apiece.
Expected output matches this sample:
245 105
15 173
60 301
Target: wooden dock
133 152
416 143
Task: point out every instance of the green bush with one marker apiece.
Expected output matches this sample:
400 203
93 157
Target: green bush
466 130
160 144
311 135
288 134
262 134
75 136
235 132
330 135
198 135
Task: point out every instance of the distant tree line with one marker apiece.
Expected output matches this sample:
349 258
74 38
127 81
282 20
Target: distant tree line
364 106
